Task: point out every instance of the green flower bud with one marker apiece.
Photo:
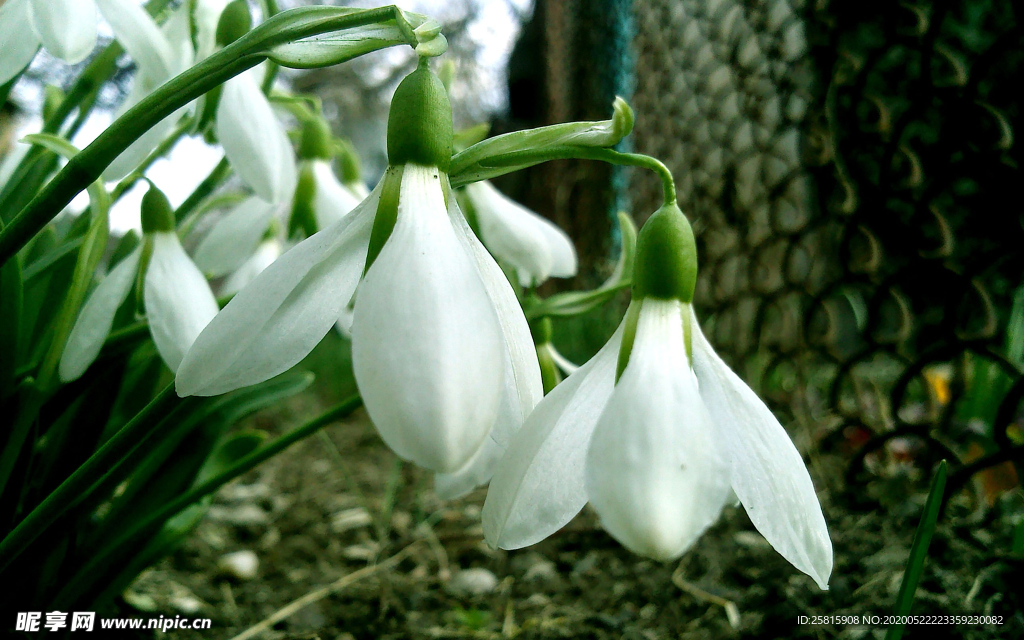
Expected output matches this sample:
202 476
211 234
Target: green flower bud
235 22
157 214
666 257
316 140
420 122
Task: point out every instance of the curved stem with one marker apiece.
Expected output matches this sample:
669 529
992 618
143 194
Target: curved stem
522 159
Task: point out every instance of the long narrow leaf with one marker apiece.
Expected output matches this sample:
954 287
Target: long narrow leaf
919 551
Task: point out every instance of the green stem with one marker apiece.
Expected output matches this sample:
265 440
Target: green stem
196 493
78 484
521 159
243 54
209 184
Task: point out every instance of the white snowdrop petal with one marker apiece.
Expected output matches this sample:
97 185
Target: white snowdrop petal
277 319
179 302
20 42
67 28
94 321
426 343
769 476
234 238
654 472
263 257
140 36
254 140
523 387
449 486
561 361
513 233
332 200
538 486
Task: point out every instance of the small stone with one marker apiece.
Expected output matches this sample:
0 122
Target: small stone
541 571
473 582
244 515
186 604
350 519
751 540
244 492
241 565
365 551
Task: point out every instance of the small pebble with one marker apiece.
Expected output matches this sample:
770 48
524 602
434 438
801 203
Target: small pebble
186 604
541 571
241 565
473 582
244 515
349 519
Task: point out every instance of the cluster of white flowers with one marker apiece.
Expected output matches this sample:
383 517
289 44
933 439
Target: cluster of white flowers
655 431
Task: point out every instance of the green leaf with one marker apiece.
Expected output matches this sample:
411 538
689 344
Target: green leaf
919 551
10 323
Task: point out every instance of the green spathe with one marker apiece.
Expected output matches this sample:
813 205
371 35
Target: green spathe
666 257
420 123
157 214
235 21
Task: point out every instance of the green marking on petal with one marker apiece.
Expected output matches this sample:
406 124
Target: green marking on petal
387 213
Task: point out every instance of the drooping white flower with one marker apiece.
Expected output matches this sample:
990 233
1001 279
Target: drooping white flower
530 243
234 238
254 140
320 198
178 300
441 349
657 452
65 28
264 256
332 200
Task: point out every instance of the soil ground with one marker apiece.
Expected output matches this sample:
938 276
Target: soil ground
340 502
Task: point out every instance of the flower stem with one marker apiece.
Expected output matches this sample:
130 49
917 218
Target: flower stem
521 159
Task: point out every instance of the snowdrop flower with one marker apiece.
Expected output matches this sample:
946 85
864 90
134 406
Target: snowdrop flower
530 243
65 28
254 140
441 349
320 198
657 433
178 299
235 237
264 256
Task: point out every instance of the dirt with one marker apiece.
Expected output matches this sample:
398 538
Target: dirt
340 502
